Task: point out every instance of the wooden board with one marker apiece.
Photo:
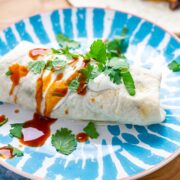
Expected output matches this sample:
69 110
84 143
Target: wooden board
13 10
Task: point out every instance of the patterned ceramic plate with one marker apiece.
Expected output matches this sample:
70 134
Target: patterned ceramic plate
121 151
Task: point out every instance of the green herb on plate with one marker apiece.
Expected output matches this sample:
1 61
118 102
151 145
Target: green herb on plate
16 130
64 141
16 152
174 66
91 131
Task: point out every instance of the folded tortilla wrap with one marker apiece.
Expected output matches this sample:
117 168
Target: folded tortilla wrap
103 101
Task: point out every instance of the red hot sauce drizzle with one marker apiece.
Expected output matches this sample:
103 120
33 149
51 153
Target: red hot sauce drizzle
36 131
17 72
6 152
35 53
2 118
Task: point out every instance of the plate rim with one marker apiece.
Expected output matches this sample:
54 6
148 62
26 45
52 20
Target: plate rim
138 175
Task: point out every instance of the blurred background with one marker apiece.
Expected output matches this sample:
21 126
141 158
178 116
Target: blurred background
165 13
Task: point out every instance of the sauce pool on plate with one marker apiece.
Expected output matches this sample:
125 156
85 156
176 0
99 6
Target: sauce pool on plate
36 131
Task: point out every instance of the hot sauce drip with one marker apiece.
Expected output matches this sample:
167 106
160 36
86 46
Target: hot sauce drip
57 90
81 137
6 152
2 118
39 94
82 89
35 53
17 72
36 131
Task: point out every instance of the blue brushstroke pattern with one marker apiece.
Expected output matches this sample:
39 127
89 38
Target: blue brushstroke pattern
156 37
109 168
21 29
38 27
68 23
165 131
130 138
114 129
118 24
55 20
128 166
81 23
3 48
35 161
73 170
98 22
144 30
10 38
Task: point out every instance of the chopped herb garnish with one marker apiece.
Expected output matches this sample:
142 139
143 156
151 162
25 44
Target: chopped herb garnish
64 141
97 52
16 130
16 152
174 66
114 75
2 122
129 82
117 63
118 45
56 64
36 67
64 41
91 131
67 52
74 84
9 73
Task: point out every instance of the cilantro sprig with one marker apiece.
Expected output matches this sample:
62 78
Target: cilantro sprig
64 141
16 151
36 66
64 41
174 66
74 84
9 73
55 64
16 130
91 131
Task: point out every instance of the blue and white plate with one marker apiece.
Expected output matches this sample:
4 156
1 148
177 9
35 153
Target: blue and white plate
121 151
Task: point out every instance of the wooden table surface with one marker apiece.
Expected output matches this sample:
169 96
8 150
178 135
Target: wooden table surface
13 10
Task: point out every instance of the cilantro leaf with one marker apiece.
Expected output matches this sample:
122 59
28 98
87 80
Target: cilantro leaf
56 64
73 85
174 66
64 141
90 72
16 152
64 41
4 121
129 83
9 73
117 63
36 67
16 130
67 52
118 45
97 51
114 75
91 131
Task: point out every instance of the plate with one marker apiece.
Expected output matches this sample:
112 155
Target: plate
121 151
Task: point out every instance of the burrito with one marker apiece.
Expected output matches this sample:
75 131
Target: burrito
54 83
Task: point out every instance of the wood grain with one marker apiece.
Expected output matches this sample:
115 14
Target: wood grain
13 10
